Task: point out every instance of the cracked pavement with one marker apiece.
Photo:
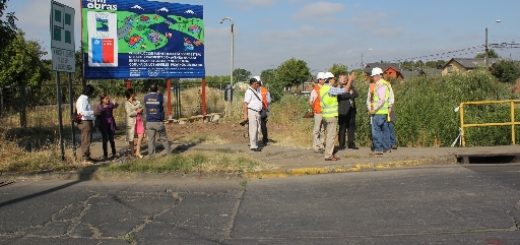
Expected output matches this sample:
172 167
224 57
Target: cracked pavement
448 205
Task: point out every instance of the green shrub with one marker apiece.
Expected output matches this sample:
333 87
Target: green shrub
425 110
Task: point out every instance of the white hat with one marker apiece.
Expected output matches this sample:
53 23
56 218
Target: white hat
321 75
259 80
328 75
376 71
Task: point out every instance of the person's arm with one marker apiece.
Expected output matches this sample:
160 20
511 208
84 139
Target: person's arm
268 98
247 99
131 111
313 97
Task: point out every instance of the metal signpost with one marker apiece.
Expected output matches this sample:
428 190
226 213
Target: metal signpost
63 59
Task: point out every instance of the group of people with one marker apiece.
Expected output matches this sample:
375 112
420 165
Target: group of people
332 102
102 116
255 111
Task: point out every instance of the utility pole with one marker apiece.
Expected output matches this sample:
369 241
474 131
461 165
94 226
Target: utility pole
486 56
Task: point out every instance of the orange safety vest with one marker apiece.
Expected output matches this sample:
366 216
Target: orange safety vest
263 92
317 104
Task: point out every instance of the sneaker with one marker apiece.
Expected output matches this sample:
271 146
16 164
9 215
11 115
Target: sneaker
353 147
333 158
376 153
255 149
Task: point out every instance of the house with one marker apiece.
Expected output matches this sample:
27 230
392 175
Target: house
421 72
391 70
465 65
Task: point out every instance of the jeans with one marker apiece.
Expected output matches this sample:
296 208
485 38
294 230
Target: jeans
380 133
391 134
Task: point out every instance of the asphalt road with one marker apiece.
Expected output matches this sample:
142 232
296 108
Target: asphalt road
444 205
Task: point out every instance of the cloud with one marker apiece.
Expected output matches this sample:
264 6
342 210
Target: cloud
319 10
250 4
377 24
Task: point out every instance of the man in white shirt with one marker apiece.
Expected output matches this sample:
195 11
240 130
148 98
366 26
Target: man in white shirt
252 108
84 109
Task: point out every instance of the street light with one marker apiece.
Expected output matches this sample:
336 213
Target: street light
232 47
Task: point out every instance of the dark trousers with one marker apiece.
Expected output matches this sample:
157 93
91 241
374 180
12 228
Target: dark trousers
347 122
108 135
263 127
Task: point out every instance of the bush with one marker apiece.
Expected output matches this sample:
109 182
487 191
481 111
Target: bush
425 110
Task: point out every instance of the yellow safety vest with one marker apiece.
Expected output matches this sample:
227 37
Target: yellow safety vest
384 109
329 104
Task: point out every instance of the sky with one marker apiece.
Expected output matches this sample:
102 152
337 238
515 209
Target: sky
323 33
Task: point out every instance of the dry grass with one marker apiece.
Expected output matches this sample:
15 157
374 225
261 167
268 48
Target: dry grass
194 162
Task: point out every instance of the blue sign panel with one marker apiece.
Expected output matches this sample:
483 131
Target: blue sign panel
140 39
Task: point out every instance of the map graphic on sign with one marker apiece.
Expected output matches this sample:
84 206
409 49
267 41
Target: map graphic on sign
142 39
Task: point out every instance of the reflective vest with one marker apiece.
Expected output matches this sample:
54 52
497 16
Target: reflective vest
329 104
316 107
263 92
384 109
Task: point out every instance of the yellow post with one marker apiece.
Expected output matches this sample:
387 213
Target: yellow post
462 139
513 134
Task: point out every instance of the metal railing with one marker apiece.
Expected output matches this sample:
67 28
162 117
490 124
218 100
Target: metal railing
512 123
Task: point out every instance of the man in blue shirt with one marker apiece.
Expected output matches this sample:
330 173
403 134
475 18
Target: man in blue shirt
153 102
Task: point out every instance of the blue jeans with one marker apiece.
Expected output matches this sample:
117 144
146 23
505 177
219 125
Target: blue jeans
380 133
391 136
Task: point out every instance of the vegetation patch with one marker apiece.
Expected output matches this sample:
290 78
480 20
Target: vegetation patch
193 162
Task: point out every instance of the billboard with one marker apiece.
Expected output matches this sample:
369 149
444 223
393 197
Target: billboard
140 39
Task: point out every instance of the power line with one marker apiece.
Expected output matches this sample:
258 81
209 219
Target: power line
456 53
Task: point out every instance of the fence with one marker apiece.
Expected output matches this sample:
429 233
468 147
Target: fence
512 123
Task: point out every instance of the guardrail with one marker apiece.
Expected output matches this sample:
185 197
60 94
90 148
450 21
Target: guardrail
512 123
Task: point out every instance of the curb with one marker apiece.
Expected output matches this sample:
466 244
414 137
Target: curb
356 167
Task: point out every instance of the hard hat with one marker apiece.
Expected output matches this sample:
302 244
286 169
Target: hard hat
259 80
321 75
376 71
328 75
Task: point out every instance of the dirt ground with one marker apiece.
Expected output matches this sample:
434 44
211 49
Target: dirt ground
226 132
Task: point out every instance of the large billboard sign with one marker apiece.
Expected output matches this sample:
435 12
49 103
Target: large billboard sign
134 39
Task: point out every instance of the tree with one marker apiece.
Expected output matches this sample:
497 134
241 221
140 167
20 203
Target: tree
7 26
491 54
506 71
290 73
22 68
241 75
337 69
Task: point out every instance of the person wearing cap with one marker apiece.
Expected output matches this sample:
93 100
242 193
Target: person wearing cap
318 132
378 107
266 101
155 128
329 111
347 115
252 108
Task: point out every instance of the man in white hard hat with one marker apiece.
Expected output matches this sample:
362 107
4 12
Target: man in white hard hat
329 111
378 107
318 132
